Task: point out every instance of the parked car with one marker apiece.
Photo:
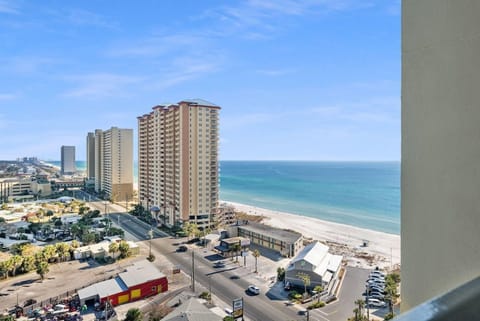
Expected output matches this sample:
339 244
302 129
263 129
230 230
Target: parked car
377 296
253 289
219 264
378 273
377 288
375 282
29 302
182 248
228 311
375 303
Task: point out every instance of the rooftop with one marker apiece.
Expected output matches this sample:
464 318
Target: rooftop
275 233
140 272
200 102
192 310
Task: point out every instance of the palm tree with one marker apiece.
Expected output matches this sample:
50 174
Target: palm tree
361 305
318 289
8 266
16 262
305 279
62 250
49 252
256 254
28 264
134 314
236 247
113 248
4 269
42 268
124 249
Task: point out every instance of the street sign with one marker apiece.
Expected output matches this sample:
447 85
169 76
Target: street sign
237 308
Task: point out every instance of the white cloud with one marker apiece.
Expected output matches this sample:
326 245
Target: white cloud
101 85
275 72
376 109
187 68
28 64
7 96
157 45
8 7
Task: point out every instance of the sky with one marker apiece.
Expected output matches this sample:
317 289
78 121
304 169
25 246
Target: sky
296 80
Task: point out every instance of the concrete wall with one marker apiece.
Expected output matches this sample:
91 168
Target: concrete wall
440 146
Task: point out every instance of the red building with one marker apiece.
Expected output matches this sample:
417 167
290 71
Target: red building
138 281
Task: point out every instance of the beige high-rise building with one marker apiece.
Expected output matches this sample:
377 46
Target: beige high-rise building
112 162
440 150
178 161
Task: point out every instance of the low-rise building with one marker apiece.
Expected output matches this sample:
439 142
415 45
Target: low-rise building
227 247
192 310
139 281
314 261
100 250
286 242
224 215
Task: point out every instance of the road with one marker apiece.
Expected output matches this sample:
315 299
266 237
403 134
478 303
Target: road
224 283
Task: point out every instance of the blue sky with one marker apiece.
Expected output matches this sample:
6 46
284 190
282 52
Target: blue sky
297 80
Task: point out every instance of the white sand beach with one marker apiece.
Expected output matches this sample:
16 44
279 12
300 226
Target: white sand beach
383 249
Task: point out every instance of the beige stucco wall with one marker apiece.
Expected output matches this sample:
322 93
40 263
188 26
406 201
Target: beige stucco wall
440 146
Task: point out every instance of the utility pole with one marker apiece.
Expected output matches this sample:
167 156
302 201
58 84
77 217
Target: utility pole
193 271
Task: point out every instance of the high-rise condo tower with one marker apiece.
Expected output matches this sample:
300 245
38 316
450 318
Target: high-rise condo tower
178 161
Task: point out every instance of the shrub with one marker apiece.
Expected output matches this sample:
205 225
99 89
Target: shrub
316 305
388 316
204 295
294 295
151 257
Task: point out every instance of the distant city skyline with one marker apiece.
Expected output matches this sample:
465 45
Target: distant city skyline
297 80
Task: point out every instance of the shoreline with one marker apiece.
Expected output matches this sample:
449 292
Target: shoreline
383 249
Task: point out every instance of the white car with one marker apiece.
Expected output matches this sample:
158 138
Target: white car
253 289
228 311
378 273
375 303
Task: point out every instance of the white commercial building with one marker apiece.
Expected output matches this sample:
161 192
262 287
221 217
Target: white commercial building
314 261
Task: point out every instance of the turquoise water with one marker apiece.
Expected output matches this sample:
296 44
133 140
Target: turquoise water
363 194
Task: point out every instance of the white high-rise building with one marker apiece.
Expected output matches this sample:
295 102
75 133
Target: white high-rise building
112 162
68 166
178 161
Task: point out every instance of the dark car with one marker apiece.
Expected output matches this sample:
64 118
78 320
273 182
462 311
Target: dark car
182 248
29 302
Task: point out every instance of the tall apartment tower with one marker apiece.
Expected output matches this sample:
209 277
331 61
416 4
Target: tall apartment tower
90 155
112 162
178 161
68 160
440 147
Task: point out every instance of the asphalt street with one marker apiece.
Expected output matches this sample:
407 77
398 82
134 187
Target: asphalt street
224 283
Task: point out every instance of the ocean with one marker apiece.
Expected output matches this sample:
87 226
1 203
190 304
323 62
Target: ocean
362 194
